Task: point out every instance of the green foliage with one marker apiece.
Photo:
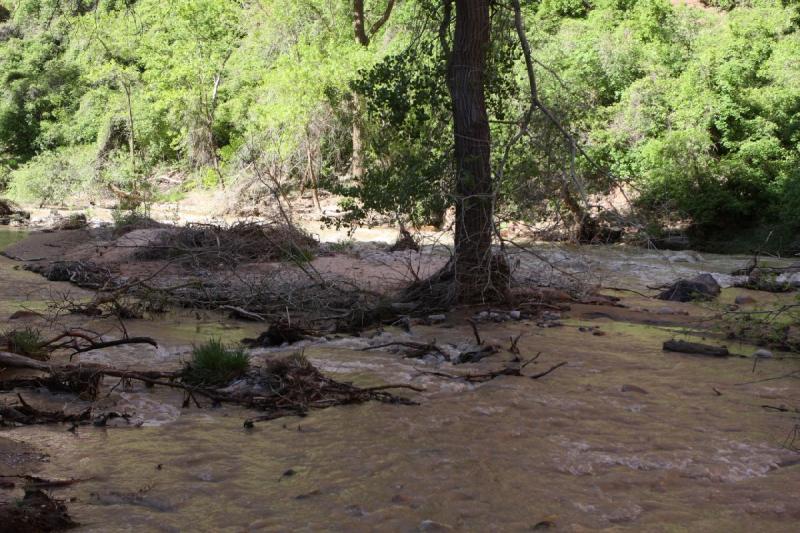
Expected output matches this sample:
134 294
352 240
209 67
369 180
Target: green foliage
696 109
214 364
27 341
197 78
52 177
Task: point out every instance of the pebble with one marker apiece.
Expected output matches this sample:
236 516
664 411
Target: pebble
763 353
437 319
431 525
515 315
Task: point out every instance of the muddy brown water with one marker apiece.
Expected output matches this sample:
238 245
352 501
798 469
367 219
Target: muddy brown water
624 437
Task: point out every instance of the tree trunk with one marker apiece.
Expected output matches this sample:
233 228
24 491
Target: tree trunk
474 194
357 159
363 37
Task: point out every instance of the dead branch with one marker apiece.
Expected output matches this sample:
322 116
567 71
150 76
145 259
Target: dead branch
475 332
551 369
12 360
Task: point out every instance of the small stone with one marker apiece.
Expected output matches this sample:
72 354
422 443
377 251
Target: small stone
598 333
685 257
355 510
763 353
437 319
515 315
744 300
431 525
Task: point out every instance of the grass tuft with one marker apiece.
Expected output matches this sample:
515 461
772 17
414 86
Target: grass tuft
26 342
214 364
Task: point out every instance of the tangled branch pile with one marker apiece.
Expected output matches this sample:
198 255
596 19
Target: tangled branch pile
210 244
289 386
293 386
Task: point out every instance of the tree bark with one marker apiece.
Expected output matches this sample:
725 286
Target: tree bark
357 158
473 191
363 38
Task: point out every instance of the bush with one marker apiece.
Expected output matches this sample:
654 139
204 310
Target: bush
26 342
51 177
214 364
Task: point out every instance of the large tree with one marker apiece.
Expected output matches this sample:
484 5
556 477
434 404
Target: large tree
474 195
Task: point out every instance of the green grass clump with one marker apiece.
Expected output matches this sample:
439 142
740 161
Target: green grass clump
214 364
26 342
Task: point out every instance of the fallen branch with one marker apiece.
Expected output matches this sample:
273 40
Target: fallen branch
25 414
513 371
551 369
475 332
695 348
12 360
419 349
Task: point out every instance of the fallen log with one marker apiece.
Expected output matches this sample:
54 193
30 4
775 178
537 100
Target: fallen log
25 414
12 360
695 348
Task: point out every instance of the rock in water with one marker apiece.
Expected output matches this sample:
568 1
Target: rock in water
702 287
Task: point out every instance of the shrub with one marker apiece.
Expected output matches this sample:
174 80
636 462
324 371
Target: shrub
26 342
215 364
53 176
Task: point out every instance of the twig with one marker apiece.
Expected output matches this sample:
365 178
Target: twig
475 332
543 374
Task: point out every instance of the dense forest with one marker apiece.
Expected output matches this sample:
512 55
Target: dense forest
692 110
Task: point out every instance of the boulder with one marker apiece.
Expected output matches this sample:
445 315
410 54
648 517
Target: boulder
701 287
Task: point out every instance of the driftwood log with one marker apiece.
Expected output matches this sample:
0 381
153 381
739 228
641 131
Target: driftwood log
695 348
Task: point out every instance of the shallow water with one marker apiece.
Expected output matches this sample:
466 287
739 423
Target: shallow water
624 437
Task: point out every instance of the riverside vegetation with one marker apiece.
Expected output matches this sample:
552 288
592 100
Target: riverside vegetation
693 109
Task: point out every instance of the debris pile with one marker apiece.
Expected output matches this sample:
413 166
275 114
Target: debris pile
211 245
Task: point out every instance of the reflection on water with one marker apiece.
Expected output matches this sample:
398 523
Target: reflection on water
10 236
624 437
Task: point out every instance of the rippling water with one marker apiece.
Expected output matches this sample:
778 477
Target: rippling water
624 437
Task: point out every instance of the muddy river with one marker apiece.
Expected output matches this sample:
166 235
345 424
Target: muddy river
623 437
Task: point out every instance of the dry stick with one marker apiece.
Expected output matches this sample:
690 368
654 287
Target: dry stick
244 312
793 374
408 344
514 340
475 332
543 374
397 386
